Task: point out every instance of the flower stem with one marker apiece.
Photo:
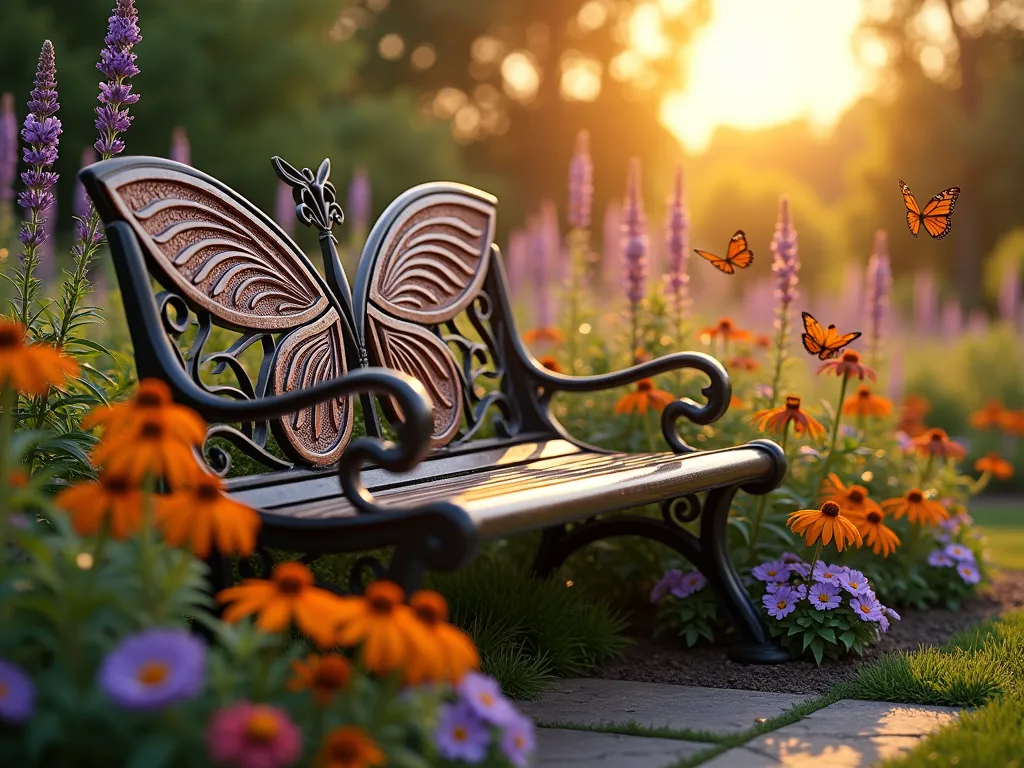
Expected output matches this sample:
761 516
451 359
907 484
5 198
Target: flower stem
926 471
835 434
780 351
814 559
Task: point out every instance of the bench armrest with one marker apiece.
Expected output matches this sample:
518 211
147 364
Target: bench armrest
718 392
156 356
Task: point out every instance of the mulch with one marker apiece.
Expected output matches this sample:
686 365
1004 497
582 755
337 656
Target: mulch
664 662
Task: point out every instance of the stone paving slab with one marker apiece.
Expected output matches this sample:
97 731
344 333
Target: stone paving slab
588 701
588 749
847 734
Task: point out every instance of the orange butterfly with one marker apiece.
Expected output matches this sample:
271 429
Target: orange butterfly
937 214
739 256
826 343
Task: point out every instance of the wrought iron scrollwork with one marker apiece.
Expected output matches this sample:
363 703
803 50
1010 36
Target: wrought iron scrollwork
263 569
681 510
361 568
316 200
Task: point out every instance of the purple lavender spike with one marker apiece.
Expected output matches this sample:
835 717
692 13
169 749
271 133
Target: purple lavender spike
552 238
677 281
284 207
8 148
1009 295
611 251
581 183
181 150
359 201
925 303
952 319
516 259
117 62
634 237
785 256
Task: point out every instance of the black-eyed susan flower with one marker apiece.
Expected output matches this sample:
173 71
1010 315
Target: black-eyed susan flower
544 336
551 363
775 420
645 396
935 442
877 535
865 403
852 499
30 368
824 525
990 415
726 330
744 363
848 365
349 746
201 515
995 465
918 509
457 654
324 675
113 499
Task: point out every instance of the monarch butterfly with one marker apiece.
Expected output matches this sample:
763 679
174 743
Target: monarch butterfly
738 256
826 343
937 214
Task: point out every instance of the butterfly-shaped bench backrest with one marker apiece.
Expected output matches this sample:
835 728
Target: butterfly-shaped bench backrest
226 269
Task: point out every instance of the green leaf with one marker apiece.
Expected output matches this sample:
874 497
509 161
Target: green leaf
827 634
847 638
155 751
818 649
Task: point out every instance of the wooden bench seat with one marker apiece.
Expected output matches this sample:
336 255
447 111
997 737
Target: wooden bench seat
228 310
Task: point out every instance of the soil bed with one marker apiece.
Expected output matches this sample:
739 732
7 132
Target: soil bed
664 662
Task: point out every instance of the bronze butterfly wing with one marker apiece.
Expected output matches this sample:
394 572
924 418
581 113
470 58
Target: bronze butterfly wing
424 263
226 258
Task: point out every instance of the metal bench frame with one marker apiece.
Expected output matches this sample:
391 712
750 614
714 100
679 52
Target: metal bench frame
393 341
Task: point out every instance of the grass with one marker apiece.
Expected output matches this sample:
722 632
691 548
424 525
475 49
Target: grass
983 668
1003 526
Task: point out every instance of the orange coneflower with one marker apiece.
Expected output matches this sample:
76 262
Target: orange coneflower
323 675
287 596
744 363
877 535
991 415
152 395
458 655
917 508
114 498
775 420
30 368
158 444
935 442
724 329
995 465
912 414
848 364
550 362
735 402
852 499
863 403
202 514
645 396
823 524
1012 423
763 341
544 335
349 746
392 638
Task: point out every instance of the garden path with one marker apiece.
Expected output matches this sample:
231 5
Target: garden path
621 724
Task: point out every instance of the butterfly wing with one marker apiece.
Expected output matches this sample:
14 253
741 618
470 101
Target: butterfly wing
739 254
722 265
938 212
813 336
226 258
913 210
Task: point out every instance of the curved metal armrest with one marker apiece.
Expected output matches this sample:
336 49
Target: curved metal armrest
718 392
157 357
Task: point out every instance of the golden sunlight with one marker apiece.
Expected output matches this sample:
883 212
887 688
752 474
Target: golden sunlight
756 65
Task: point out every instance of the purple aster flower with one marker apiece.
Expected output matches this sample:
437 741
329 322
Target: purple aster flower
284 207
781 603
689 584
959 552
891 614
668 580
828 574
789 558
942 538
483 695
181 150
581 183
153 669
518 741
117 62
677 242
854 582
774 570
8 147
803 570
968 572
879 284
461 734
17 694
867 607
825 597
883 623
360 200
939 559
950 524
634 240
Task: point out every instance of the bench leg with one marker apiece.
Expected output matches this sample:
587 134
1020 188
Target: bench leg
709 553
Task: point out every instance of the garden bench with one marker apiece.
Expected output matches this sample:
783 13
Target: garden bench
225 307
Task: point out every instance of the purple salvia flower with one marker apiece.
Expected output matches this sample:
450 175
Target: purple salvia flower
117 62
1009 295
360 200
634 240
785 261
925 301
181 150
581 183
879 285
45 269
8 149
284 207
678 247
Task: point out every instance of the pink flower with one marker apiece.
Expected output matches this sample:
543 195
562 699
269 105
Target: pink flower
250 735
